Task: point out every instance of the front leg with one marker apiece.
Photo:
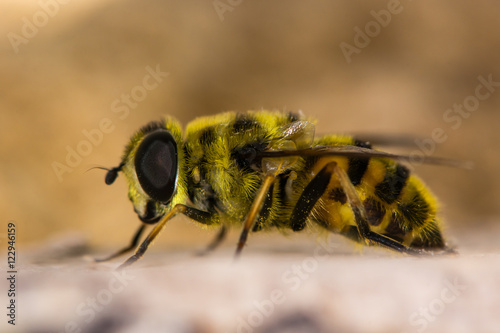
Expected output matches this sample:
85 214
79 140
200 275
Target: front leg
130 247
193 213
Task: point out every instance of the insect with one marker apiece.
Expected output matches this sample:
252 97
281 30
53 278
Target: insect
262 170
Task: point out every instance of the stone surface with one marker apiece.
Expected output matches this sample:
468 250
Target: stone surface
313 287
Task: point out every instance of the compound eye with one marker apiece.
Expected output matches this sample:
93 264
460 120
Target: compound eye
156 165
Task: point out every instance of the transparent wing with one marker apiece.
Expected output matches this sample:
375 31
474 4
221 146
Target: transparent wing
388 140
359 152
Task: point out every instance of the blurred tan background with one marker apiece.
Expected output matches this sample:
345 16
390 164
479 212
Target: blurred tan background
67 76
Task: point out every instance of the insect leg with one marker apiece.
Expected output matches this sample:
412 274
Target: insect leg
133 244
311 194
254 210
193 213
361 218
221 235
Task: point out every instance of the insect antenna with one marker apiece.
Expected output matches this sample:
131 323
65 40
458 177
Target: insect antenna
111 173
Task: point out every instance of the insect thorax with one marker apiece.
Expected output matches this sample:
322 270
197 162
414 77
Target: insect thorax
222 171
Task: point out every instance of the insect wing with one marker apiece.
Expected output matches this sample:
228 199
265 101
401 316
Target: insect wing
360 152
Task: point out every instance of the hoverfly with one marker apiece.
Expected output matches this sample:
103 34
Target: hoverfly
263 170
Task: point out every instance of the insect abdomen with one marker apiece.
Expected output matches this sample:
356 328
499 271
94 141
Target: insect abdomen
397 204
414 217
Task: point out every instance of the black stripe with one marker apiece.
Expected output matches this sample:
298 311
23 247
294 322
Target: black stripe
265 210
432 238
152 126
392 185
244 123
415 211
338 194
310 162
394 228
375 211
313 191
202 167
356 170
189 180
246 156
208 136
357 166
282 181
191 190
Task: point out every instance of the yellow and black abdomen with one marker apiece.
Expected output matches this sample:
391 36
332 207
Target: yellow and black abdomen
397 203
